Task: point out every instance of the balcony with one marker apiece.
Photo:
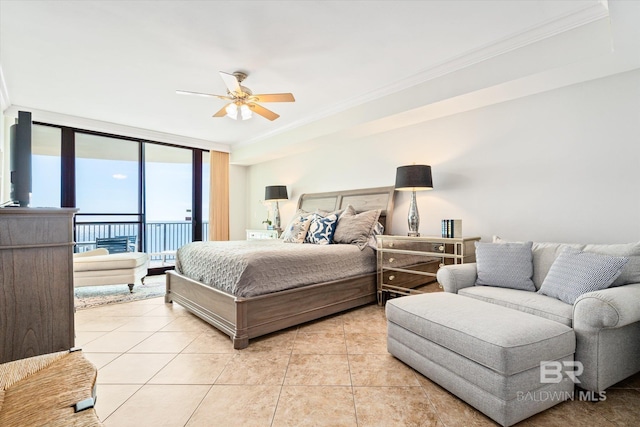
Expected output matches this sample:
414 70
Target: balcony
161 240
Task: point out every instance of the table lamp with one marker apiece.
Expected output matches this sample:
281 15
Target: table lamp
275 193
413 178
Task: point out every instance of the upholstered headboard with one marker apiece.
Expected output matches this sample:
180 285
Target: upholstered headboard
362 200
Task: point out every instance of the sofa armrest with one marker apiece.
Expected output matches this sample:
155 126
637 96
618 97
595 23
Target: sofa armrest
607 308
456 277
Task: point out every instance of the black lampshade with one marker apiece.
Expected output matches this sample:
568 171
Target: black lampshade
414 178
275 192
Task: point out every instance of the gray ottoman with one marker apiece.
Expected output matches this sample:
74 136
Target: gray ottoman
487 355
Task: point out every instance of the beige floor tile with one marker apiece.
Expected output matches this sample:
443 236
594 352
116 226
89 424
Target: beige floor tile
169 310
365 324
255 368
331 324
373 312
318 369
315 406
111 396
366 343
394 406
189 323
85 337
192 369
570 413
281 342
632 382
380 370
228 404
621 407
93 323
133 368
116 342
124 309
165 342
451 410
211 342
158 405
319 343
101 360
145 324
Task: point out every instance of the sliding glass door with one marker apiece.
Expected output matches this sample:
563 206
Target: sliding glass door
108 189
168 199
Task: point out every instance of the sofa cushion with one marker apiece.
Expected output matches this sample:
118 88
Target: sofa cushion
506 265
575 273
504 340
527 302
111 261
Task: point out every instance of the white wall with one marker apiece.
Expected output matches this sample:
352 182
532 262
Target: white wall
562 165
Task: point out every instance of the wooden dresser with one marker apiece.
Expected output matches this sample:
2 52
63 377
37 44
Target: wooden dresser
36 281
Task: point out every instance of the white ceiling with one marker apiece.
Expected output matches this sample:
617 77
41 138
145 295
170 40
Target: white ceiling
97 63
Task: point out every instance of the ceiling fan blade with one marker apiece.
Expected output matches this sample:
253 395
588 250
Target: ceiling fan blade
267 114
221 112
206 95
231 82
274 97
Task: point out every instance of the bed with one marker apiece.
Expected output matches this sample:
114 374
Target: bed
244 318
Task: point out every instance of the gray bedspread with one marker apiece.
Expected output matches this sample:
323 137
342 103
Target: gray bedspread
248 268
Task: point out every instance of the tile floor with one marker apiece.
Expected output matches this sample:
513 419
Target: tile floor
161 366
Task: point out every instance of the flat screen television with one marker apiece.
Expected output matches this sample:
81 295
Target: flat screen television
20 160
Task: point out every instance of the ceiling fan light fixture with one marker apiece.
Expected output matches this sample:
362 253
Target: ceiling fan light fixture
232 111
245 112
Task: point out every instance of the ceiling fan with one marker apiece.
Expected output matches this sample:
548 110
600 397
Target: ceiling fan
243 102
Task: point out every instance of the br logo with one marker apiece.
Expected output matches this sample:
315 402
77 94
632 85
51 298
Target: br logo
553 371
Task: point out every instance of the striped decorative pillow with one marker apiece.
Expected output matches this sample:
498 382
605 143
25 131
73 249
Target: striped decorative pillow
574 273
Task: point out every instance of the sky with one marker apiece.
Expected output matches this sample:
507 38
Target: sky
111 186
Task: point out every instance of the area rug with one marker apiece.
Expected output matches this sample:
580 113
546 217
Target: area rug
94 296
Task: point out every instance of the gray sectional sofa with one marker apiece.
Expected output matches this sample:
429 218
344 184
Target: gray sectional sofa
606 322
515 332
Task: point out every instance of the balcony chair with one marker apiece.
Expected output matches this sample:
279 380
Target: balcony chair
114 245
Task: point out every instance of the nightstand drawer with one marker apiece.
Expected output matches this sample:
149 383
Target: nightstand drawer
262 234
406 263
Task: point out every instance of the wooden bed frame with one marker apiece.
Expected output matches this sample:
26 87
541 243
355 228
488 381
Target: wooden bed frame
246 318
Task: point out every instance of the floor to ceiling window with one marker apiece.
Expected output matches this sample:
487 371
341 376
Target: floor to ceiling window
155 194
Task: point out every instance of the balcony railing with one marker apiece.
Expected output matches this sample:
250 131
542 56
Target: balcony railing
160 237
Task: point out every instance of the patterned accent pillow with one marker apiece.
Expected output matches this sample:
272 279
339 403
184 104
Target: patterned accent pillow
355 227
321 229
505 265
297 230
296 216
574 273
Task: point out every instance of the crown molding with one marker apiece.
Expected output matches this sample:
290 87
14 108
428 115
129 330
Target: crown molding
588 14
116 129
